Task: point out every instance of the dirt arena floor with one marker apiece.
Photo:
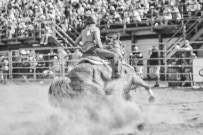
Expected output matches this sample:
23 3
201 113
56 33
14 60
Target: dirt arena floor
24 110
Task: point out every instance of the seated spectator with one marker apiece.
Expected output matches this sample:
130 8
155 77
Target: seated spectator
141 11
135 16
197 7
166 14
175 14
11 31
126 18
116 17
192 7
30 29
46 35
158 20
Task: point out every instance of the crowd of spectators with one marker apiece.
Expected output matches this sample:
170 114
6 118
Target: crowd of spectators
21 17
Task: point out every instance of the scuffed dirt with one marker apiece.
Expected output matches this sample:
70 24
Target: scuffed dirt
177 111
25 110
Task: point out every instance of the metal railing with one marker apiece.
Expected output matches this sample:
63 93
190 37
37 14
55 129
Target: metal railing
22 68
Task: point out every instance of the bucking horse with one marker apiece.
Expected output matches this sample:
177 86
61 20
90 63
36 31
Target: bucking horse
92 75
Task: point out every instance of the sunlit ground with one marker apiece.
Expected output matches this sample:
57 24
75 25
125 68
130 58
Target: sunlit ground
25 110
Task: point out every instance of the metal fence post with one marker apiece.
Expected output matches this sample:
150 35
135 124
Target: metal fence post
34 72
165 60
10 57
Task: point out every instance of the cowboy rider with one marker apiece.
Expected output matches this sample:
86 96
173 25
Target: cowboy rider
92 45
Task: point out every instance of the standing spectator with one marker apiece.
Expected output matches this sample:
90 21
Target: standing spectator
154 63
137 61
186 54
4 68
25 70
40 64
56 68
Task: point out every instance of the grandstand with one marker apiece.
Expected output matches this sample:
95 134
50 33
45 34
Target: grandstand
55 24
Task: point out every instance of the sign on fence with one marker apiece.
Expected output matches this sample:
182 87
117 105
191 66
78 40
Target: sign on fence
198 70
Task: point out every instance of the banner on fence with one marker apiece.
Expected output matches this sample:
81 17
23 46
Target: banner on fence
198 70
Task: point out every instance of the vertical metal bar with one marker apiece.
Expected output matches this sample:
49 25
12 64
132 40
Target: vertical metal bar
34 72
182 23
152 19
165 60
10 57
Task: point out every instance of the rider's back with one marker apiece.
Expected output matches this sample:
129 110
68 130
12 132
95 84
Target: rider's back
88 37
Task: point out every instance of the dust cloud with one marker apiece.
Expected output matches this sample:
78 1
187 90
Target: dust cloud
26 110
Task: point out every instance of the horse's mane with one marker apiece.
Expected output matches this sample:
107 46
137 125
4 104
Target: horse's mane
126 68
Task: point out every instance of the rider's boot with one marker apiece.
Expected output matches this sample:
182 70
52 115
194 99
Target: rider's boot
116 71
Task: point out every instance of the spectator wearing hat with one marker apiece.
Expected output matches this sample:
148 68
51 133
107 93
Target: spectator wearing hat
137 61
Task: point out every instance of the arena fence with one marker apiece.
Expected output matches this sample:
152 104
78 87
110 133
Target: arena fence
44 64
178 70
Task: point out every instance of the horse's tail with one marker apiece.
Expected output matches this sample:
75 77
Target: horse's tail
60 90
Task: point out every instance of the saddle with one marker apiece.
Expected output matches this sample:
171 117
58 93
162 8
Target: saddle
94 60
